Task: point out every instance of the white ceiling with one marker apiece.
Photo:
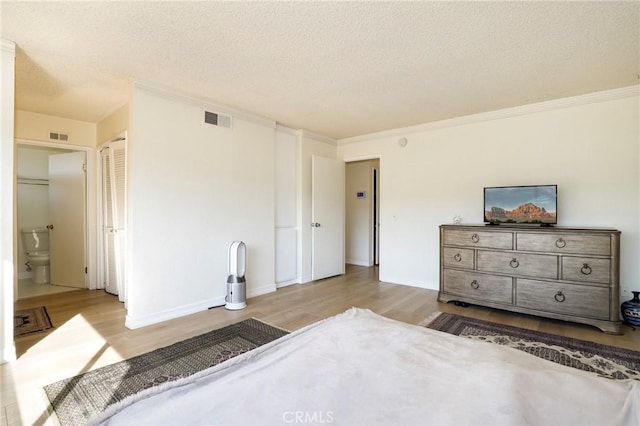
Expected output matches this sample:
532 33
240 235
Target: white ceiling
340 69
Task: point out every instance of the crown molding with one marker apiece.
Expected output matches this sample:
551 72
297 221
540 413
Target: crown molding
602 96
8 46
221 109
318 137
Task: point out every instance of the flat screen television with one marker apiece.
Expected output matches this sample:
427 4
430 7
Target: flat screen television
533 204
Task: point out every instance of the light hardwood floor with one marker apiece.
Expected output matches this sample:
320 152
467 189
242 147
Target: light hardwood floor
89 329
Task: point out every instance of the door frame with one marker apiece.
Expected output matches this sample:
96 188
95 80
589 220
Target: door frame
90 208
377 250
376 215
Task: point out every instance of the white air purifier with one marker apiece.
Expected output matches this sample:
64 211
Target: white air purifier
236 284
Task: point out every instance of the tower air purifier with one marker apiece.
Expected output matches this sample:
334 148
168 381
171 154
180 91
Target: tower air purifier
236 284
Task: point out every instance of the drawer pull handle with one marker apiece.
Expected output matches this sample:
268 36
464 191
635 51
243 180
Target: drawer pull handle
586 269
457 257
560 243
474 284
475 238
514 263
559 297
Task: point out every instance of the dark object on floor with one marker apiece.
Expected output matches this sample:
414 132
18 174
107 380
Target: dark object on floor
607 361
77 399
32 320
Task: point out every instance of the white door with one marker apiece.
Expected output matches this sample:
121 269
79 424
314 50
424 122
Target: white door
327 217
113 216
67 219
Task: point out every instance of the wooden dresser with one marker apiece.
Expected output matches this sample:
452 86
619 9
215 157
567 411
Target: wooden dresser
563 273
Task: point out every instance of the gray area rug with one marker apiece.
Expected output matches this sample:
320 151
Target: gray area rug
77 399
606 361
31 320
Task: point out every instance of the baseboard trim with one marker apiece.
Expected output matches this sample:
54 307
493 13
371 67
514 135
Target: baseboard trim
259 291
286 283
305 279
133 322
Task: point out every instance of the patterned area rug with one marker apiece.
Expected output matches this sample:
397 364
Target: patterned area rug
78 399
32 320
606 361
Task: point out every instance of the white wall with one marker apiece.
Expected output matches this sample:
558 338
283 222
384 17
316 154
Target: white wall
359 212
193 189
7 231
587 145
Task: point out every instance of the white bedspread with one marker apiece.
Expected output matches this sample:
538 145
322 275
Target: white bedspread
359 368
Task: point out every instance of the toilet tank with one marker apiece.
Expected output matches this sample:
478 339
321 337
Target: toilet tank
35 239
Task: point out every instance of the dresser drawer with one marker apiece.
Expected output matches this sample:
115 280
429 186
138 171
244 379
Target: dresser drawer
564 243
569 299
458 257
586 269
484 239
512 263
479 286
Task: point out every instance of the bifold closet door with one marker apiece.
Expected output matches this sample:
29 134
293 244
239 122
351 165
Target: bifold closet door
114 220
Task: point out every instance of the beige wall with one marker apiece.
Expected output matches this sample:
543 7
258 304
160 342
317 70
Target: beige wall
589 148
34 126
113 125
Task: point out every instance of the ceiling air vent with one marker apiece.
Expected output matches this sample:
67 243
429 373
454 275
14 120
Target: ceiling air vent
217 119
58 136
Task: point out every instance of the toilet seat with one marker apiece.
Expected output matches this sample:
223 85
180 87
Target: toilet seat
38 256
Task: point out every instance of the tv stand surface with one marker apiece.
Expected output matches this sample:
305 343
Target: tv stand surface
523 225
568 274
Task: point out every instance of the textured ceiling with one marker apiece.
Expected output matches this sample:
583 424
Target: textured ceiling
336 68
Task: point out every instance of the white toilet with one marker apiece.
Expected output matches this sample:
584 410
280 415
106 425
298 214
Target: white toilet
36 246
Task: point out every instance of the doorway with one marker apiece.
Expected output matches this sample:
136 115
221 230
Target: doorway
362 201
51 197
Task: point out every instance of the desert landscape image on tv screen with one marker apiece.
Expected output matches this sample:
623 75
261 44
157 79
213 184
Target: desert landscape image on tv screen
522 204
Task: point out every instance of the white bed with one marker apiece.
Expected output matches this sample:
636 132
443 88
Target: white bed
359 368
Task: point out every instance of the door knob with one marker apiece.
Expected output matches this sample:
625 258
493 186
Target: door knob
49 227
315 225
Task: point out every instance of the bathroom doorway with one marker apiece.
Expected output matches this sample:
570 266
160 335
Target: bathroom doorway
362 212
51 194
